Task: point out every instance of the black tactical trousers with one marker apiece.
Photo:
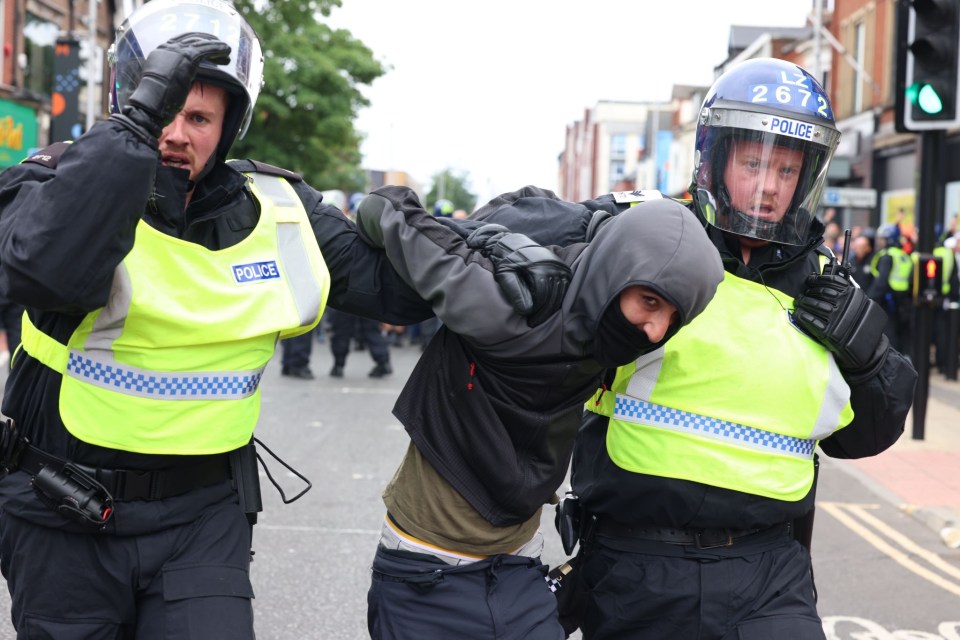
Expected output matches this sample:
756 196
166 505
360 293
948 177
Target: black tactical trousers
763 593
189 582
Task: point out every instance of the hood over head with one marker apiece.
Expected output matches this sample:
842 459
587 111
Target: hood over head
658 244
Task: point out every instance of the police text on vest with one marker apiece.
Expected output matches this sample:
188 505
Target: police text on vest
255 272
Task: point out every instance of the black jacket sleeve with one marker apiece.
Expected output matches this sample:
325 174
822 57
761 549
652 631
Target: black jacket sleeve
63 231
437 262
880 406
362 281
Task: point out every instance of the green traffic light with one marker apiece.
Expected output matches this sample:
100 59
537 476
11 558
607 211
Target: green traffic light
925 97
929 100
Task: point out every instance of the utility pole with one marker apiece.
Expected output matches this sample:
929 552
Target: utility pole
929 206
817 25
92 62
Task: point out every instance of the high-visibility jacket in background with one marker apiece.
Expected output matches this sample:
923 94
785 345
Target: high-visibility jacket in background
900 270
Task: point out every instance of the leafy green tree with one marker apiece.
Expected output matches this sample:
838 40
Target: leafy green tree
304 117
453 187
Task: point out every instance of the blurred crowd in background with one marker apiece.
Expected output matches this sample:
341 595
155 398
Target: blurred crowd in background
884 262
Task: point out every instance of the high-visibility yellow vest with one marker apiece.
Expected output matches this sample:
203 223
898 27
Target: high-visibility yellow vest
172 364
900 270
949 263
737 399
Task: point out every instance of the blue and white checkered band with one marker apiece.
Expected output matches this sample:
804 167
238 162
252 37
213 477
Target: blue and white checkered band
255 272
655 415
228 385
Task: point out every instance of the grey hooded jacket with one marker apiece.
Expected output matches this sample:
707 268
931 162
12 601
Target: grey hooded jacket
493 404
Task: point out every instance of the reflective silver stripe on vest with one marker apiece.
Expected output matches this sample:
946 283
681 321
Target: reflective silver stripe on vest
655 415
835 398
110 322
144 383
293 254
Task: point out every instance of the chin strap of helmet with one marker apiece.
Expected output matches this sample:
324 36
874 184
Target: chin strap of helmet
207 168
745 224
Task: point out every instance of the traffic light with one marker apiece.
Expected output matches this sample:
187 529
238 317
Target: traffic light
927 278
928 65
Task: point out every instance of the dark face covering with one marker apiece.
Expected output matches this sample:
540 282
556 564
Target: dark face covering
617 341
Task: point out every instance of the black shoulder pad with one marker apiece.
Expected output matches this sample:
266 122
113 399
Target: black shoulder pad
248 166
50 156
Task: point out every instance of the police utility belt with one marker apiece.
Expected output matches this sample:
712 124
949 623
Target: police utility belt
697 538
87 494
574 524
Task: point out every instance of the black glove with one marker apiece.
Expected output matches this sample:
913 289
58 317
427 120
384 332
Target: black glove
168 75
486 235
531 277
841 317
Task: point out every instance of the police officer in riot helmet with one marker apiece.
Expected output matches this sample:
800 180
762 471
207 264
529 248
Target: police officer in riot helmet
694 488
157 279
740 133
223 54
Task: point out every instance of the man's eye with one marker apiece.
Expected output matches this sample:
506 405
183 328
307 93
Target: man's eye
198 118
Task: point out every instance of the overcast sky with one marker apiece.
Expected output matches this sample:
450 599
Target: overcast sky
488 87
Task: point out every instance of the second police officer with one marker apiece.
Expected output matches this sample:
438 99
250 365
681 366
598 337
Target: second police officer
695 466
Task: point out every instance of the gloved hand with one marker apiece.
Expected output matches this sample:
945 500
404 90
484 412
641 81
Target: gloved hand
841 317
168 76
533 279
486 235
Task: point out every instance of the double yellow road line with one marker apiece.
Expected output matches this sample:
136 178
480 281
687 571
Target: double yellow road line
893 544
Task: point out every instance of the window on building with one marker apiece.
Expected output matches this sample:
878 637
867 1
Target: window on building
618 145
40 37
617 171
859 53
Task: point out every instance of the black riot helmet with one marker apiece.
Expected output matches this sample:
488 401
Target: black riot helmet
772 118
